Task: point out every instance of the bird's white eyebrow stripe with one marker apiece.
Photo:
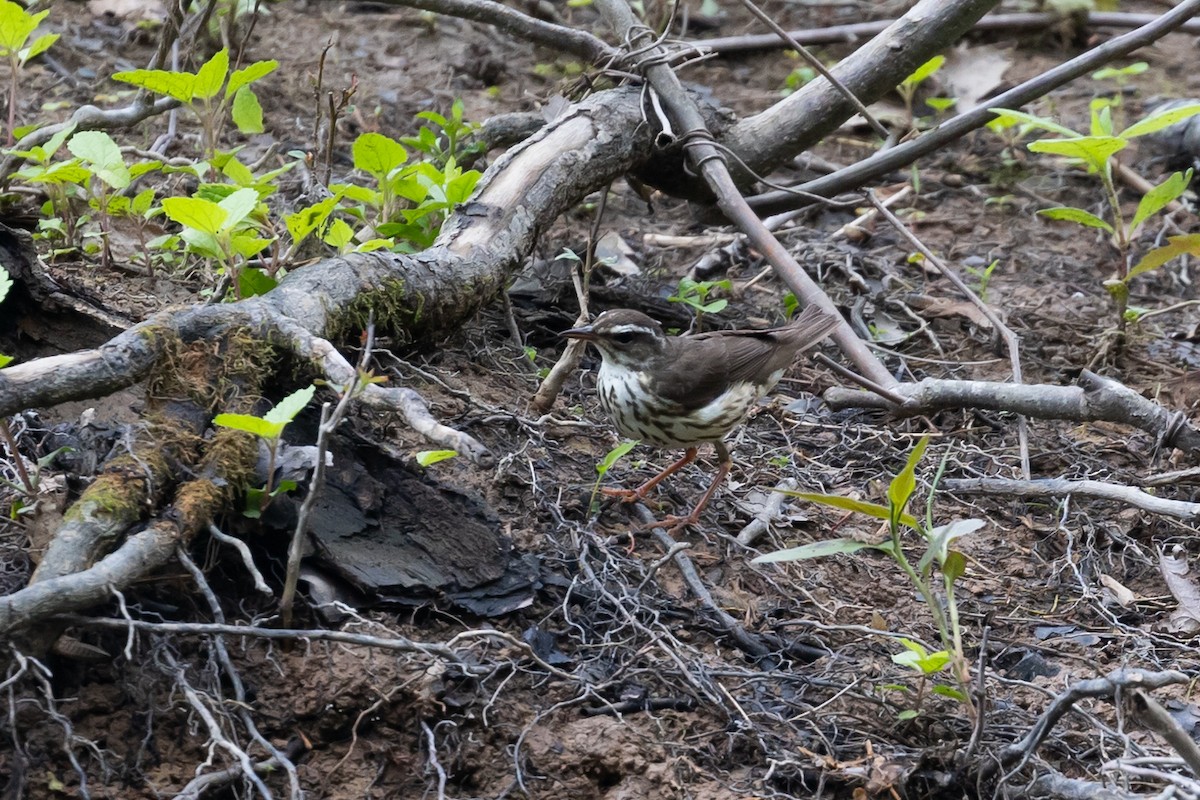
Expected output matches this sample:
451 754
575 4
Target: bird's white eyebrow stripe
630 329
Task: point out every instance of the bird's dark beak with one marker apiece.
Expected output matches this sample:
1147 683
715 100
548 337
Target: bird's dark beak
586 332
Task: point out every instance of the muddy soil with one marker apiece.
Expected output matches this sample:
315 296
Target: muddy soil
612 679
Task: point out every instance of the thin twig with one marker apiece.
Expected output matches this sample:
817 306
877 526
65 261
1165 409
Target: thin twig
1011 341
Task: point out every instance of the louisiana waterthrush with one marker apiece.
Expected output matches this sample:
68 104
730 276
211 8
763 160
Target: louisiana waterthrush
683 391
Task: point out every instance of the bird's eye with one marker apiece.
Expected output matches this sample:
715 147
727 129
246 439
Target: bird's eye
624 337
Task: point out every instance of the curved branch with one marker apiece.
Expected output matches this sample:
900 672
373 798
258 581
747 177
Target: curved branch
1096 399
577 43
1037 21
902 155
480 247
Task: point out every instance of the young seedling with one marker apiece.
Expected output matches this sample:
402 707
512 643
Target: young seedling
446 145
1095 150
908 88
226 232
938 554
16 26
694 295
269 428
983 277
925 664
108 173
209 95
427 458
409 201
607 463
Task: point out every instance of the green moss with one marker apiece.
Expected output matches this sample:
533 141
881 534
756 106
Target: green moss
396 310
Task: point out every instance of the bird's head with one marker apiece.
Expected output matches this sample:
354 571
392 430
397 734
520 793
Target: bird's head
625 338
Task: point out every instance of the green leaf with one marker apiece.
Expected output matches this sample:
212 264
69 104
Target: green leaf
1007 114
250 424
100 151
1077 215
253 281
954 566
1102 123
916 657
290 406
96 147
925 70
429 457
339 234
905 483
39 46
828 547
907 714
1107 73
196 213
940 538
238 206
5 360
247 245
615 455
951 692
141 202
211 76
1160 196
306 220
1161 119
143 168
16 24
203 243
249 74
246 112
1176 246
1093 150
179 85
850 504
377 155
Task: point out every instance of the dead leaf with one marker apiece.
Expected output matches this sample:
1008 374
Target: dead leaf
1186 618
971 73
1118 592
615 254
934 307
128 9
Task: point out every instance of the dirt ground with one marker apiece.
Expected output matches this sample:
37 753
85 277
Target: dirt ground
637 690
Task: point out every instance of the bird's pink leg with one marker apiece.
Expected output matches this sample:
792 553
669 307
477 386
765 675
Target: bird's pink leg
638 494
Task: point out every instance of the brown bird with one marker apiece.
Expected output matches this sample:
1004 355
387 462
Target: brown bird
683 391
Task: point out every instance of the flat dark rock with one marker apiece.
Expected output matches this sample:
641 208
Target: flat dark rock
401 536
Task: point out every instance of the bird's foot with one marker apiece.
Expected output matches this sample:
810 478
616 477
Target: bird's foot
673 523
624 495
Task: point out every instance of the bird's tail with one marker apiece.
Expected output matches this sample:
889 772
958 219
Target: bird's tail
811 326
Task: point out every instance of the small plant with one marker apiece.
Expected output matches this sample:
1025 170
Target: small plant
227 232
694 295
607 463
108 173
269 428
938 554
908 88
446 145
16 26
797 78
1095 151
983 276
427 458
208 94
409 201
925 664
1121 77
59 179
